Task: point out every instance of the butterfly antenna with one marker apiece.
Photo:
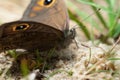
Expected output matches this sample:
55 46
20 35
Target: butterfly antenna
76 26
92 14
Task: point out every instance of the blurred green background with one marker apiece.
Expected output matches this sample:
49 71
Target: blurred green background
98 19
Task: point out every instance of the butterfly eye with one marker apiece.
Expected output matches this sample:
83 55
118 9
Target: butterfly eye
20 27
47 2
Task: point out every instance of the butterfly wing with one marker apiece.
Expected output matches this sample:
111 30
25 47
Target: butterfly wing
36 36
53 13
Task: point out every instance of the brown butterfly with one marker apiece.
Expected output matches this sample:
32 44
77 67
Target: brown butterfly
44 26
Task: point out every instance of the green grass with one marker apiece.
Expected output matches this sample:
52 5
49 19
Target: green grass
30 61
110 24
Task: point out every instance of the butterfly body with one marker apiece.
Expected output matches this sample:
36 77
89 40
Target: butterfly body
41 27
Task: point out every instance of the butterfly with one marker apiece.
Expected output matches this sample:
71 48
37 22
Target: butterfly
43 26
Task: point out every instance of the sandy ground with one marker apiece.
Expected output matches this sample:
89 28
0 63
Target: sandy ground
90 62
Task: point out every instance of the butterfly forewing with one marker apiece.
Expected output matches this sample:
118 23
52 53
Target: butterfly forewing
55 14
37 36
